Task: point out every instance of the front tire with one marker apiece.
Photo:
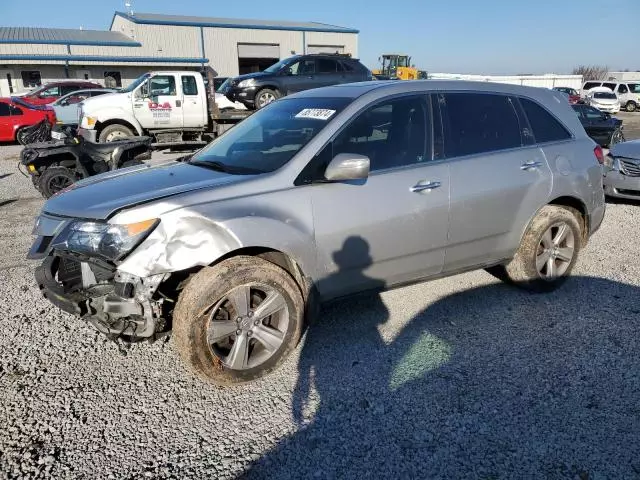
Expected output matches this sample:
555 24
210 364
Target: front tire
547 253
54 179
264 97
114 132
616 137
238 321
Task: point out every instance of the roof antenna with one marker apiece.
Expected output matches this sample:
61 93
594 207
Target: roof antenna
129 7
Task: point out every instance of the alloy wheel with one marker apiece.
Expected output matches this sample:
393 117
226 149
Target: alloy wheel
555 251
265 99
247 326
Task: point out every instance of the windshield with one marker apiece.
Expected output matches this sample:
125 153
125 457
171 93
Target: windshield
135 83
269 138
608 96
275 68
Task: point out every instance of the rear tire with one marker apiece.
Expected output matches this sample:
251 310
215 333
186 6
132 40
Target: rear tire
114 132
243 304
54 179
631 107
21 133
547 253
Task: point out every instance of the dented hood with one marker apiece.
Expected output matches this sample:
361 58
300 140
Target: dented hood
630 149
101 196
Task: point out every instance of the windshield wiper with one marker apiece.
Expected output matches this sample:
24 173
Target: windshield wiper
221 167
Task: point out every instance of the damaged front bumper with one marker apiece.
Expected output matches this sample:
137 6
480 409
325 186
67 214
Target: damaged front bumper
118 305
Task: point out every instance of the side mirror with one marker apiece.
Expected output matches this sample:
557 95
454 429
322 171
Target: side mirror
347 166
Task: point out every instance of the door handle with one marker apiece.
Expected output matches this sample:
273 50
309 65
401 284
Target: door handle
424 187
137 105
530 165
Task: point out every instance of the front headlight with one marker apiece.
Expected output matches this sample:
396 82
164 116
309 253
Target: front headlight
247 83
105 240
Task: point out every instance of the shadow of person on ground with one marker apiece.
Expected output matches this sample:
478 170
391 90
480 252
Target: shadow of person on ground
490 382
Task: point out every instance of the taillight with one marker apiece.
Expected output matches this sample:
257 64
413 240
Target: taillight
599 154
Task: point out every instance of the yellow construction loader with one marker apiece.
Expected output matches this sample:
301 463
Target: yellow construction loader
398 67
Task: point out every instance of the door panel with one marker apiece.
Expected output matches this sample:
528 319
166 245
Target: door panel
391 228
491 195
6 125
194 110
327 72
381 233
496 183
158 103
303 76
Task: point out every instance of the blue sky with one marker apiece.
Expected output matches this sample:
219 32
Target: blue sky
460 36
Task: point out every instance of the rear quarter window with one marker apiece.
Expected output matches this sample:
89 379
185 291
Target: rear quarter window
546 128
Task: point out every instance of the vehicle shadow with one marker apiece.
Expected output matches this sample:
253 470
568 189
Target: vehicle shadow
491 382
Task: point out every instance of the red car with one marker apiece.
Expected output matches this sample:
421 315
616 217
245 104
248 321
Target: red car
52 91
15 114
572 93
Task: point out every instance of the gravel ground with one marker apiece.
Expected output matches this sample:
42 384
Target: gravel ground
457 378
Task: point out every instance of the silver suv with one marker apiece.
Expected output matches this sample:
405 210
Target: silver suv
320 195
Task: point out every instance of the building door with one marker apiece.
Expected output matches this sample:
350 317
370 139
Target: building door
255 57
8 84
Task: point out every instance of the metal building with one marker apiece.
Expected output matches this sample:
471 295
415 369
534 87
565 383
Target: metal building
136 43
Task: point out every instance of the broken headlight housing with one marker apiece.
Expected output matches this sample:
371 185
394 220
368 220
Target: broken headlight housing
106 240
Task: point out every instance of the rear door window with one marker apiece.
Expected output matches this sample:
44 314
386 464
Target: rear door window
546 128
622 88
478 122
590 85
326 65
4 110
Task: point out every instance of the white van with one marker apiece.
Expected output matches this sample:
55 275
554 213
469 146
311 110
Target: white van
628 92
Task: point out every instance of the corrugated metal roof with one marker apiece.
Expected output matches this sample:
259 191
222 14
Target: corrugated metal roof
63 36
193 21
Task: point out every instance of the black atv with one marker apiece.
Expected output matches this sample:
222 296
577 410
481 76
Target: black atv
56 164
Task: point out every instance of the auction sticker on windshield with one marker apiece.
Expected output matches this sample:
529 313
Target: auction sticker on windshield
317 113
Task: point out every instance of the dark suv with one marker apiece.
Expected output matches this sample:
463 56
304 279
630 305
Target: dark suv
294 74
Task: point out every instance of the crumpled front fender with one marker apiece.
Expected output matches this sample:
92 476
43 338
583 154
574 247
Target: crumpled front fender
186 241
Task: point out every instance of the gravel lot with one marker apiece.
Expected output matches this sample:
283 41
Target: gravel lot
457 378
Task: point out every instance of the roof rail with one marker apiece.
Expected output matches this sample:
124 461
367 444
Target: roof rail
332 53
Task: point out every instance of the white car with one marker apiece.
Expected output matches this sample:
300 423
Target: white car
603 99
628 92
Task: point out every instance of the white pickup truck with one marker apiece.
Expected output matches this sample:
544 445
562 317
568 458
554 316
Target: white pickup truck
173 107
